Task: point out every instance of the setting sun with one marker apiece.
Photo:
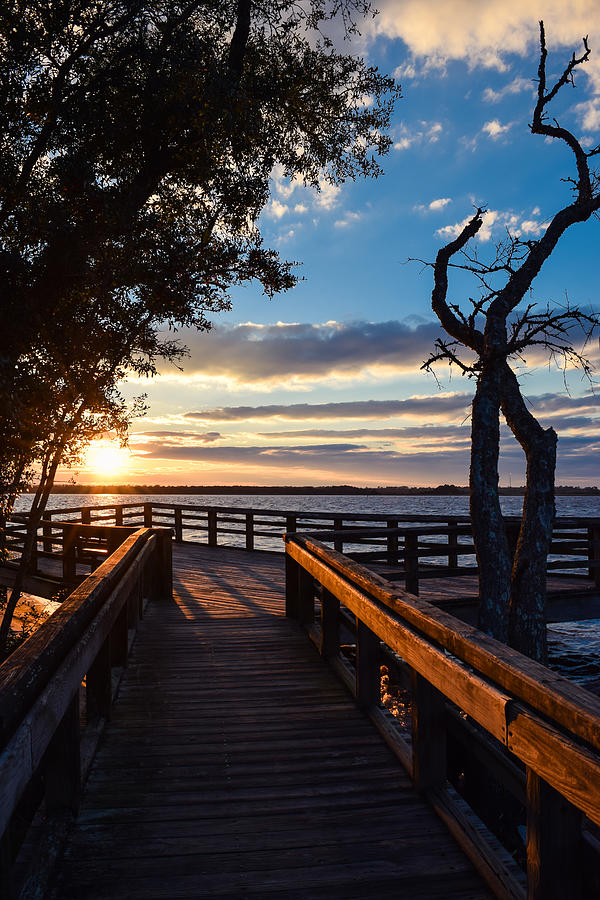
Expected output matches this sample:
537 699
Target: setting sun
106 458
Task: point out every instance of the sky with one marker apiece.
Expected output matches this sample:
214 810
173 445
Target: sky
323 384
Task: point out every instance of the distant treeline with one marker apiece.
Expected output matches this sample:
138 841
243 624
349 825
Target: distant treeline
338 489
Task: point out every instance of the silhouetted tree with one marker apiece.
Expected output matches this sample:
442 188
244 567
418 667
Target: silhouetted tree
137 141
497 329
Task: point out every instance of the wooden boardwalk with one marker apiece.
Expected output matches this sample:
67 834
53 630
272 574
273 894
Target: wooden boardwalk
236 765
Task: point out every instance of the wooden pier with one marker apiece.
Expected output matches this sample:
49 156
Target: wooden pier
235 764
198 721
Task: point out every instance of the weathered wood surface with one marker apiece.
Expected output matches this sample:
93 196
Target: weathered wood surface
236 765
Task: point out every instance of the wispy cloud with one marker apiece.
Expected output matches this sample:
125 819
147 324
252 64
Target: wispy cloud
437 405
516 86
422 133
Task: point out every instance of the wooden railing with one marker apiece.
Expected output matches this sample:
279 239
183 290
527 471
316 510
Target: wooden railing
487 723
421 546
43 701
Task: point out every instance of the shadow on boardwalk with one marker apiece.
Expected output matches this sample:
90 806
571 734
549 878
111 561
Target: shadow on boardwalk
236 765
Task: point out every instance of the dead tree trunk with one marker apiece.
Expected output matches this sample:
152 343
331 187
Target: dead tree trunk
527 620
491 544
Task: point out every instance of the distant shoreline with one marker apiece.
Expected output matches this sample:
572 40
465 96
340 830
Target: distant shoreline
449 490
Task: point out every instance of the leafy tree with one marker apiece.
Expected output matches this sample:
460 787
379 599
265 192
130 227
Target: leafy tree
137 140
496 330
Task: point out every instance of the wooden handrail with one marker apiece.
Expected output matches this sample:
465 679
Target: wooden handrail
550 725
40 682
406 541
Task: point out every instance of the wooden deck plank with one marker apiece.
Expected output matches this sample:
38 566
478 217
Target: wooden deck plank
236 765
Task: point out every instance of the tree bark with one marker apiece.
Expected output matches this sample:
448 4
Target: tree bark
491 544
527 617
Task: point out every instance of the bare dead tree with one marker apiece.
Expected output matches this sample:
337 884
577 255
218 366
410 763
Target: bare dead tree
496 330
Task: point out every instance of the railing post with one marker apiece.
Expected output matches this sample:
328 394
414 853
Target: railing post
291 587
147 515
47 535
411 563
368 674
98 685
428 734
63 763
249 531
86 515
594 553
118 516
306 597
119 639
69 552
163 565
290 524
330 624
178 524
452 544
338 542
392 543
554 843
212 528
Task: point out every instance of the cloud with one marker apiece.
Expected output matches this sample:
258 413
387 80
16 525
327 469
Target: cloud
262 353
437 405
277 210
425 437
434 206
496 129
493 221
439 204
336 463
350 218
486 34
206 437
588 114
516 86
425 133
328 195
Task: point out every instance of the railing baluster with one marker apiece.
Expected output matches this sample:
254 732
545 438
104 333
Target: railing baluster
306 597
368 676
428 734
338 542
392 543
119 639
292 570
330 624
63 763
147 515
411 562
452 544
594 554
249 531
212 528
554 843
118 515
178 524
98 683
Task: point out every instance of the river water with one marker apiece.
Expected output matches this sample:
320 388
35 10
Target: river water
574 646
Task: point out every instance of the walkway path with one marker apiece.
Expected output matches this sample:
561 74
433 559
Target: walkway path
236 765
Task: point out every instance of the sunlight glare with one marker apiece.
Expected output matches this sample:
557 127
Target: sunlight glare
106 458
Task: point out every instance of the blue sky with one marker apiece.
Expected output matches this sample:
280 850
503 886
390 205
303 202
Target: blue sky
323 384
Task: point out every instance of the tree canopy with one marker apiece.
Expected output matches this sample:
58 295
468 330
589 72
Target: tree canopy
137 141
136 144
